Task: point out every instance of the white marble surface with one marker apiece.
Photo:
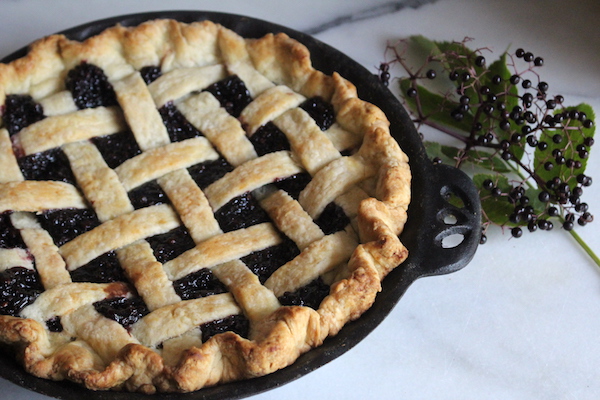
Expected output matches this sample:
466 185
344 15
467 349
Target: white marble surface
520 322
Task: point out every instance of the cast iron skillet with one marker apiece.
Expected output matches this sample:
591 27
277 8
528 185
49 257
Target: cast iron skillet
432 188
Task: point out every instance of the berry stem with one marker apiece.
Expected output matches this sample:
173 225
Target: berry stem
584 246
443 129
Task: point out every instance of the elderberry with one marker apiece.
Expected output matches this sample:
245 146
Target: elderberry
516 232
504 120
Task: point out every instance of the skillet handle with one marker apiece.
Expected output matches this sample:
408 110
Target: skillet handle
453 218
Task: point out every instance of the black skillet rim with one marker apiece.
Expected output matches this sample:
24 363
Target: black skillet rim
421 231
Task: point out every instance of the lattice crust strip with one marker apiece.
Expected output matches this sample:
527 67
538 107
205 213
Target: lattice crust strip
293 173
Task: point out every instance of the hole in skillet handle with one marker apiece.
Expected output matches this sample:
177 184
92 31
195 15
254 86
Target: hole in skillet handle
452 216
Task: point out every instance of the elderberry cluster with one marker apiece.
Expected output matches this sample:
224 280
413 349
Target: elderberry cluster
505 110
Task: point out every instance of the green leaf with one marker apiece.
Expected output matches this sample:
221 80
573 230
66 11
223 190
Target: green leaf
434 150
476 158
434 107
486 160
495 209
511 97
574 134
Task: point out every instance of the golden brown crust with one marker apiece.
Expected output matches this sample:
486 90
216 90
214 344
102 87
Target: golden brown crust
279 75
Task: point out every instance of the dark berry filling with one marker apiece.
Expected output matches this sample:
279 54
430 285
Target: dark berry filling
178 127
332 219
125 311
347 152
66 224
150 74
232 94
240 212
235 323
54 324
117 148
90 87
148 194
10 237
169 245
103 269
294 184
268 139
320 110
19 287
264 262
50 165
310 295
201 283
209 171
20 111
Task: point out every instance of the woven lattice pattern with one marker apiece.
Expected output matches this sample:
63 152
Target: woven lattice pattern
159 204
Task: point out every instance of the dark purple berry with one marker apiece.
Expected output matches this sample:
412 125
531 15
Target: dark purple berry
310 295
235 323
201 283
321 111
544 196
125 311
268 139
20 111
232 93
178 127
568 225
90 87
19 287
557 138
150 74
117 148
516 232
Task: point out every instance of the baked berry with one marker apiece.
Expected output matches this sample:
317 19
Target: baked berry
103 269
201 283
332 219
232 93
117 148
208 172
20 111
19 287
178 127
171 244
146 195
90 87
310 295
66 224
49 165
10 237
240 212
264 262
150 73
125 311
268 139
320 110
235 323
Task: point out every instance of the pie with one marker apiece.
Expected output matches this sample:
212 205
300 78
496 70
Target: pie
181 206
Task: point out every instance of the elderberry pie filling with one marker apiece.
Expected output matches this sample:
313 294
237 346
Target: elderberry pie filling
269 288
90 88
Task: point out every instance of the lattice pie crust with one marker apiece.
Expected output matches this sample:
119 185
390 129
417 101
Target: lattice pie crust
354 163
